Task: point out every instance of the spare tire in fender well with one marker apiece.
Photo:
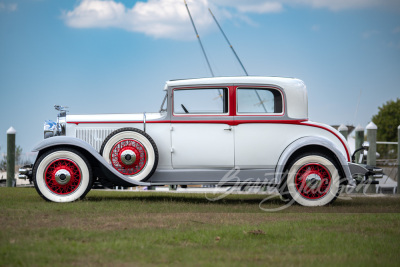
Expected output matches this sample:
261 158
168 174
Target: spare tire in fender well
132 152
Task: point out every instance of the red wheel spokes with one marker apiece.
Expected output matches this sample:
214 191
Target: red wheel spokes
68 166
134 147
313 181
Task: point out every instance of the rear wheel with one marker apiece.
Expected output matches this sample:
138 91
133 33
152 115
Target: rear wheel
312 180
62 175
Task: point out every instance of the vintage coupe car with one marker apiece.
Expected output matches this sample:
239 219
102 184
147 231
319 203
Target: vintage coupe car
224 130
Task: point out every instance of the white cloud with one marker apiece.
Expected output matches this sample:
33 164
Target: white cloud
267 7
96 14
8 7
335 5
169 18
157 18
12 7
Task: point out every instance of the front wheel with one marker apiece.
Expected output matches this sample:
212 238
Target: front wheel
62 175
313 180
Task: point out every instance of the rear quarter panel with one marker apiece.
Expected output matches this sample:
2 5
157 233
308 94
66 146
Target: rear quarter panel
260 145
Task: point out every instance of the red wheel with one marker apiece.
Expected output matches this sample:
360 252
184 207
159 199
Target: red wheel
312 180
128 156
62 176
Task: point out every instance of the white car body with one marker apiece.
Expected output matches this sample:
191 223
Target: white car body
201 147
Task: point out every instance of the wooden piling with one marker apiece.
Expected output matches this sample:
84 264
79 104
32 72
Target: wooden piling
398 159
359 132
372 130
344 130
11 157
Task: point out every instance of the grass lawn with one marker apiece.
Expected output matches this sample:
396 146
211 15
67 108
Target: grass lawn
111 228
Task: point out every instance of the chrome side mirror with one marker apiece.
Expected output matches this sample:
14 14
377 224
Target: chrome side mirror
365 145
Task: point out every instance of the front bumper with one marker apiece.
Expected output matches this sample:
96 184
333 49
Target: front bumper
25 172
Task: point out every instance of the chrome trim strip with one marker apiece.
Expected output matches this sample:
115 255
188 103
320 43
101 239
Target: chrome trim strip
144 121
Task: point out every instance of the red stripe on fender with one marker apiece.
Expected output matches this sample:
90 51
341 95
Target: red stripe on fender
332 132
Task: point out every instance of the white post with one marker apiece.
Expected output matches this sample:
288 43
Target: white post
398 159
372 130
359 132
344 130
371 138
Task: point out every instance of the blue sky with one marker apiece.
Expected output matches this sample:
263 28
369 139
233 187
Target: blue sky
115 56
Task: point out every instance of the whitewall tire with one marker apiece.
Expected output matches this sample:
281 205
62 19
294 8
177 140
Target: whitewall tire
62 175
313 180
131 152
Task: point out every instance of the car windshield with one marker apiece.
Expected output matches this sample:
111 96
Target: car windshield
163 107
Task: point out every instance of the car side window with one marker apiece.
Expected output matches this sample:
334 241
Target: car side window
258 101
201 101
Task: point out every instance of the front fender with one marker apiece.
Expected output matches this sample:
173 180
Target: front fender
307 141
112 174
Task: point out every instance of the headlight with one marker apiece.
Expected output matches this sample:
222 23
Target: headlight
52 128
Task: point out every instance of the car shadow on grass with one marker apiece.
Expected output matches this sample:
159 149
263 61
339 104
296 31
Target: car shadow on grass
254 203
187 198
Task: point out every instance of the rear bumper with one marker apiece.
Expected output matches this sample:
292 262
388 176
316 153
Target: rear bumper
364 173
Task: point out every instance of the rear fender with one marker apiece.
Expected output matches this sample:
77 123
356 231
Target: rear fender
314 141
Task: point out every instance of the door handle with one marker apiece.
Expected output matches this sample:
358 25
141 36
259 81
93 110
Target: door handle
229 129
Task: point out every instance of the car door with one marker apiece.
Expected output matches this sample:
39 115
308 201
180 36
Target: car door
259 135
201 132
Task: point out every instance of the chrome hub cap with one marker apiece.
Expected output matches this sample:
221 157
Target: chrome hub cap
128 157
62 176
313 181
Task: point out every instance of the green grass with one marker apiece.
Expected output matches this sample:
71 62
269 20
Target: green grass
147 229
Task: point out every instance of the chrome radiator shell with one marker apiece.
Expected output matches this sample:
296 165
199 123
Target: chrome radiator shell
94 136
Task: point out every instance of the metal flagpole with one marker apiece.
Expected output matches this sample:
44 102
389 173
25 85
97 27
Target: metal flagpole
198 38
237 57
226 38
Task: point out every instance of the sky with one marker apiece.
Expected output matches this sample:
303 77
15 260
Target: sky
115 56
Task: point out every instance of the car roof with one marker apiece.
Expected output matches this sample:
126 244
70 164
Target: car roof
280 81
294 89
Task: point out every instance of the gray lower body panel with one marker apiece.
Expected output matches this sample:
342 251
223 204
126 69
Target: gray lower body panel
208 176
